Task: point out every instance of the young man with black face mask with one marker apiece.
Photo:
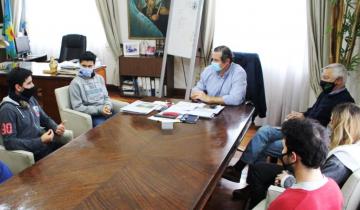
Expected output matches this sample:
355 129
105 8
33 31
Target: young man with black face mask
267 140
24 124
305 150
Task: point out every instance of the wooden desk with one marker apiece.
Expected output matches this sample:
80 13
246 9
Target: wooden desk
29 58
46 85
130 163
34 58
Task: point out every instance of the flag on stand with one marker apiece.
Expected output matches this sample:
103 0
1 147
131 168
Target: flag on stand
9 30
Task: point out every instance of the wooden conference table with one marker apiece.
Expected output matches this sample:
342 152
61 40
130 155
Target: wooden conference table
46 85
130 163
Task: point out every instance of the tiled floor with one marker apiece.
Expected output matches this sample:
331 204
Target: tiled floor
221 198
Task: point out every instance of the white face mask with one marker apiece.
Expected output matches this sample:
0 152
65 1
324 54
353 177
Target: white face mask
216 66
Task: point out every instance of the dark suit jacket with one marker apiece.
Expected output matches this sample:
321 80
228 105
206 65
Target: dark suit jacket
255 91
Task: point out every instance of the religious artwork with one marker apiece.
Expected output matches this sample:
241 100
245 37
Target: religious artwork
148 19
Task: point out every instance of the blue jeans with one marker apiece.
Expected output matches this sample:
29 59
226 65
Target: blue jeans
100 119
267 141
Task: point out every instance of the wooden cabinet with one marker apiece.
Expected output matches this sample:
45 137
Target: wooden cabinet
147 66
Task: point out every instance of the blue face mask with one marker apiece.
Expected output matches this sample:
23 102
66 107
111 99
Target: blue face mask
216 66
85 72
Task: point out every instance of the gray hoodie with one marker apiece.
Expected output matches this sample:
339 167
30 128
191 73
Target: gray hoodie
22 126
89 95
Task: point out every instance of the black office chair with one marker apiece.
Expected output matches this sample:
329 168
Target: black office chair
72 46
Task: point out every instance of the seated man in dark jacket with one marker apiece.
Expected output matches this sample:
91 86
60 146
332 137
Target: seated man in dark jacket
267 140
23 122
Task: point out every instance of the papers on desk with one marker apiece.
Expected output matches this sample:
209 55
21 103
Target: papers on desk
69 65
199 109
67 72
189 105
206 112
139 107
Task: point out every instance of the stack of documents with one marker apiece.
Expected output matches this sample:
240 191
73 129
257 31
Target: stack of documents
206 112
69 65
139 107
67 71
199 109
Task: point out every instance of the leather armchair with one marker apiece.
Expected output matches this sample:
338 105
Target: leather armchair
16 160
76 121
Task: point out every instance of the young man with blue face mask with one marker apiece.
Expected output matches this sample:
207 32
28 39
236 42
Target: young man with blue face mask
88 92
223 82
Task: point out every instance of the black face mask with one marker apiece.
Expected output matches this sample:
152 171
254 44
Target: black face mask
287 166
327 87
27 93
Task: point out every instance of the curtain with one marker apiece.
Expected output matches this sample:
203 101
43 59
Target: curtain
109 14
205 43
276 30
49 21
207 30
318 39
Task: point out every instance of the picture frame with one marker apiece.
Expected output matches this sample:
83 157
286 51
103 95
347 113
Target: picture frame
148 19
131 49
151 48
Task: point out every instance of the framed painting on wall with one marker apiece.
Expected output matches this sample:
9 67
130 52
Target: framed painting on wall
148 19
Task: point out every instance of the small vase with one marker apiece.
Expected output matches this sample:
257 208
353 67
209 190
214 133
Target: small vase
53 65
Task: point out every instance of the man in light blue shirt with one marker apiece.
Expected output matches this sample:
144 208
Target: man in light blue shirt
223 82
